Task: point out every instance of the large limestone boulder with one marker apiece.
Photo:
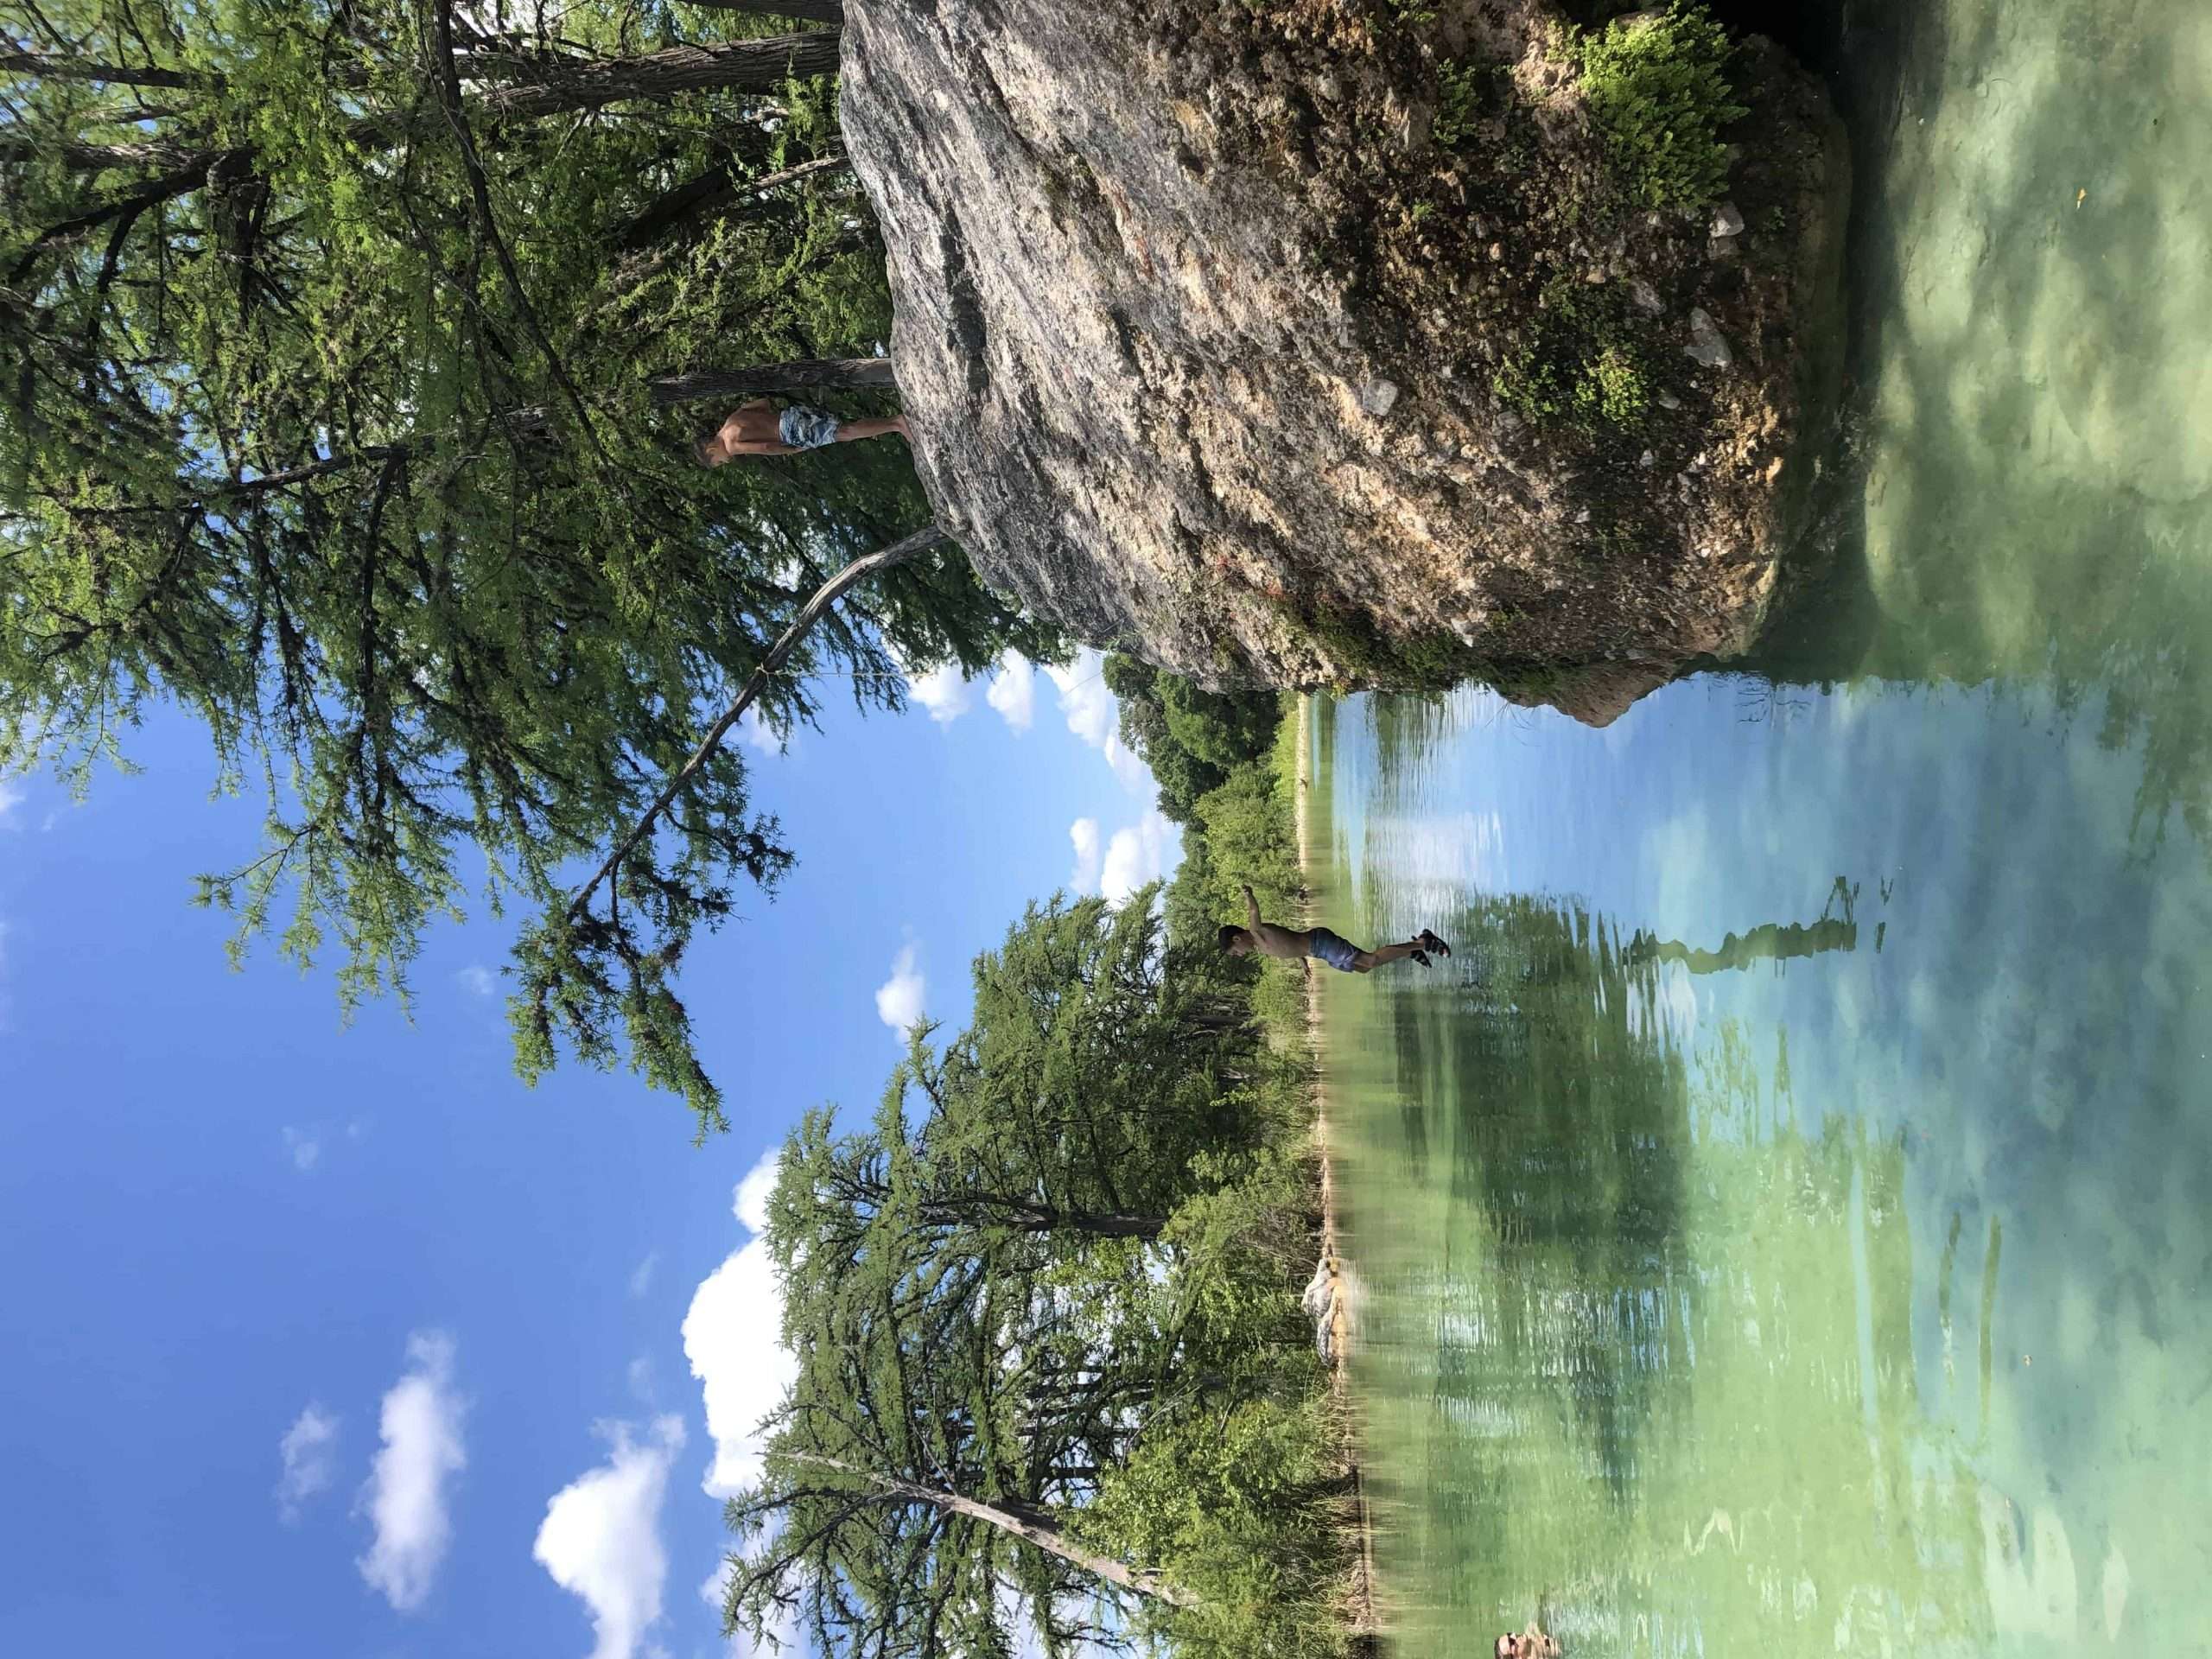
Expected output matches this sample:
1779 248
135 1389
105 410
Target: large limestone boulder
1219 343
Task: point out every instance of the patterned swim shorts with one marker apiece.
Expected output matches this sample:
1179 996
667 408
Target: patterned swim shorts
1334 948
806 428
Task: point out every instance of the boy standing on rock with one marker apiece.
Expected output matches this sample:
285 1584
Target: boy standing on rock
759 427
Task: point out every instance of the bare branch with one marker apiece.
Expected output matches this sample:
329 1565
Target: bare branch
921 542
1023 1520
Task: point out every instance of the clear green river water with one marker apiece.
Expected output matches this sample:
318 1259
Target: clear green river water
1785 1225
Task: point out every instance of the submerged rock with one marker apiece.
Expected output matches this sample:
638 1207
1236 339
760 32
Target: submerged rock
1176 330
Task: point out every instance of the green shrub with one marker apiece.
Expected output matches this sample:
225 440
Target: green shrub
1465 92
1612 388
1246 826
1235 1504
1582 363
1659 91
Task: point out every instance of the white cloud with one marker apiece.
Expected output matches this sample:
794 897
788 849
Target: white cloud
1014 690
601 1538
749 1203
899 999
734 1337
641 1379
641 1276
1094 716
304 1147
1089 707
1144 852
11 797
756 734
1083 832
478 979
406 1494
943 692
310 1449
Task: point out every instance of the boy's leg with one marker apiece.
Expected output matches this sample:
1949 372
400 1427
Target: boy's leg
1383 956
855 431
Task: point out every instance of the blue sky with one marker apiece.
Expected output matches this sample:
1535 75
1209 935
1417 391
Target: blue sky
311 1323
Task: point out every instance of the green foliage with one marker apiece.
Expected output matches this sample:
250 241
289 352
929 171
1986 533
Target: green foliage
1419 662
1658 90
1247 827
282 444
1612 387
1190 737
1238 1507
1057 1274
1069 1242
1584 362
1465 92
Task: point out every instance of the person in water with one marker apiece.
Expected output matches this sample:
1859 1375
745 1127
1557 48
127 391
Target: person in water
1295 944
1531 1643
759 427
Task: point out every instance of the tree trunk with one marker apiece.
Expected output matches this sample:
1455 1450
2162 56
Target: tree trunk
813 374
1031 1525
41 66
812 11
94 157
1108 1226
710 191
542 87
535 84
868 564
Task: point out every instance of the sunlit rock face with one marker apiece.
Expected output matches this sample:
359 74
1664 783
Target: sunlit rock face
1207 338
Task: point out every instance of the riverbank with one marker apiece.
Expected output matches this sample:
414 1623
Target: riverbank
1330 1295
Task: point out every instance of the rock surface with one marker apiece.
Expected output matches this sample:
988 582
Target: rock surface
1205 339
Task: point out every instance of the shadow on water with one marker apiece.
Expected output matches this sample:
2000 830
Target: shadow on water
2019 497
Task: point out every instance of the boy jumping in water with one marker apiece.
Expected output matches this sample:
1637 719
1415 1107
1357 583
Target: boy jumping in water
1293 944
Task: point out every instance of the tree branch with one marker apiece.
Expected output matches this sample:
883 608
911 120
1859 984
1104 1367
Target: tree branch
810 374
183 182
711 190
479 190
921 542
1023 1520
41 66
93 157
811 11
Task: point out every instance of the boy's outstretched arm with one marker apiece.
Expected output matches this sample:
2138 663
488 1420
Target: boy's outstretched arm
1252 910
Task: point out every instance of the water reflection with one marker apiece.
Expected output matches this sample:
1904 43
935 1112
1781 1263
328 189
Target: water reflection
1739 1283
1663 1336
1733 1283
1836 930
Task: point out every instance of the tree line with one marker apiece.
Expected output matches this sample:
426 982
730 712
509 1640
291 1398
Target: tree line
1054 1379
